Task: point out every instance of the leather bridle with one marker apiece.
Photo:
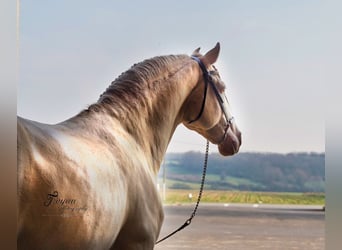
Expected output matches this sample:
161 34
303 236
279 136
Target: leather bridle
221 97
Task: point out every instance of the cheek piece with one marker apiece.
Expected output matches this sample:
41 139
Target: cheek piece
221 98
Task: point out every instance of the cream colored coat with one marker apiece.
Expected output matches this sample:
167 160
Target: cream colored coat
89 182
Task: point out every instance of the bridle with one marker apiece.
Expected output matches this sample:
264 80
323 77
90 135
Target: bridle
221 97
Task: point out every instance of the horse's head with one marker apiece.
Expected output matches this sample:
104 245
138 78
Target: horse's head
207 110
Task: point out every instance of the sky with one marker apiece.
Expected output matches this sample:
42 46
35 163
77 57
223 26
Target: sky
271 60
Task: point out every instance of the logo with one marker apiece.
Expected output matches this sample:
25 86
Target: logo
65 207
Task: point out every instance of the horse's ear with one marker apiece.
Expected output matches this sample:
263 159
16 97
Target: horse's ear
196 51
211 56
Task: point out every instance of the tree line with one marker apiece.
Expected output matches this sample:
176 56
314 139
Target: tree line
293 172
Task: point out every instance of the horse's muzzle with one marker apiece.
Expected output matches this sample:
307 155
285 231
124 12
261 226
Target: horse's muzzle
232 142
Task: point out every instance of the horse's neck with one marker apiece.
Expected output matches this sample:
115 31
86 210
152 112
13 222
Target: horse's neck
152 125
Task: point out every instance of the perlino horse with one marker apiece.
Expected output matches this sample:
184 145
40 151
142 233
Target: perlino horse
89 182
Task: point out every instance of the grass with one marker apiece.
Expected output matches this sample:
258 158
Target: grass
234 181
211 179
181 196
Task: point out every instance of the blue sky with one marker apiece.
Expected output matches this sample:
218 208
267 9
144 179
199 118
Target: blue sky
271 60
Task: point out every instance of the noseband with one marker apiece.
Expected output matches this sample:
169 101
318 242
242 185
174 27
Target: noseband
221 98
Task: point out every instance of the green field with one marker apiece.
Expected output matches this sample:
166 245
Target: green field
210 178
182 196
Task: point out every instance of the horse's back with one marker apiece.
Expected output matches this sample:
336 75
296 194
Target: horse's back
82 171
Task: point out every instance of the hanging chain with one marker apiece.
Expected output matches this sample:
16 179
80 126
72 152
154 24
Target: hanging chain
188 221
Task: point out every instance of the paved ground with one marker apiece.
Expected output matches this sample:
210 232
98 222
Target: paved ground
241 227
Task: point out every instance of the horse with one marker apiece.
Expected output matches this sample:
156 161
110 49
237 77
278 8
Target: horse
89 182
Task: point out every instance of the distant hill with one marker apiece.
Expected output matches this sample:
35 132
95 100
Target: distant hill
294 172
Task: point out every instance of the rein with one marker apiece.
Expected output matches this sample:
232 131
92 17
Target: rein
188 221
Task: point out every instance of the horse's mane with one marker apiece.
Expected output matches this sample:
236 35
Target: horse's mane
127 92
